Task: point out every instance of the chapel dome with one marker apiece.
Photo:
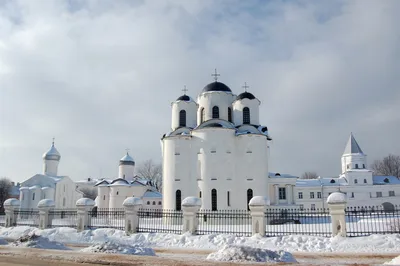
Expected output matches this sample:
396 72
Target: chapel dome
184 98
245 95
216 86
127 160
52 154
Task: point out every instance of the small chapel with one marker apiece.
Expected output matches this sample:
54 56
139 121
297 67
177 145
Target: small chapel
216 149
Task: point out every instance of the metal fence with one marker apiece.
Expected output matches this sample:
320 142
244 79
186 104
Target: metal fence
160 221
2 218
107 218
27 217
237 222
298 221
63 218
362 221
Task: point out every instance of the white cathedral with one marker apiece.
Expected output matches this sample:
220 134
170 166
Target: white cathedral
218 151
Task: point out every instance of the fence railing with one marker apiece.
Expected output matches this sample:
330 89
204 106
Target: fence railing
362 221
2 218
237 222
27 217
106 218
160 221
298 221
63 218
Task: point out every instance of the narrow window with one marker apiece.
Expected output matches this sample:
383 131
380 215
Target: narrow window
365 181
379 194
200 194
154 203
300 195
182 118
117 192
364 166
356 165
215 112
355 181
229 114
148 203
124 176
178 200
313 207
319 195
64 202
282 193
202 117
311 195
33 196
391 193
104 197
159 203
249 197
214 199
228 199
246 115
352 194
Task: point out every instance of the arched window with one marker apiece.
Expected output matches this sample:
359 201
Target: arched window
228 195
246 115
182 118
215 112
159 203
148 203
229 114
356 165
33 196
249 197
154 203
200 194
365 181
214 199
202 117
178 200
117 192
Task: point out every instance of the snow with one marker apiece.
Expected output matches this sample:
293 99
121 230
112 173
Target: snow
46 203
259 201
132 201
389 243
191 201
85 202
250 254
35 241
115 247
336 197
395 261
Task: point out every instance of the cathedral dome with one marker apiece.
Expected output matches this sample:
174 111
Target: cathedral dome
127 160
52 154
216 86
184 98
245 95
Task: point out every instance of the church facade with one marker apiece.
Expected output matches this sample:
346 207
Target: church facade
216 150
49 185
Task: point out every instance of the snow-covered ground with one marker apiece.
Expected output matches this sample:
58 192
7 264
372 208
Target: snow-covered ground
290 243
395 261
113 247
32 240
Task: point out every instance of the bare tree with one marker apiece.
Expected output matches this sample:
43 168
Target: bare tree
90 193
309 175
151 171
389 165
5 188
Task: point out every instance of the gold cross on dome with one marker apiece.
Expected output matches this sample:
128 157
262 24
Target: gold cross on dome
215 75
245 87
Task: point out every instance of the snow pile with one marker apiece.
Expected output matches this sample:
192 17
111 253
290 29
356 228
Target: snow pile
395 261
35 241
249 254
113 247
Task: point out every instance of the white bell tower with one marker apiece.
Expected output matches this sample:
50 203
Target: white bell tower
51 159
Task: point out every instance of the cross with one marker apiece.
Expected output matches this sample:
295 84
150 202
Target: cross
53 140
245 86
127 150
215 75
184 90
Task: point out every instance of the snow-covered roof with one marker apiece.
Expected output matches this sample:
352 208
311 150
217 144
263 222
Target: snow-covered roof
352 146
279 175
119 182
152 194
325 181
385 180
127 158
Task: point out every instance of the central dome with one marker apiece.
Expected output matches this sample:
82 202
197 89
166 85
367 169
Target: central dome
216 86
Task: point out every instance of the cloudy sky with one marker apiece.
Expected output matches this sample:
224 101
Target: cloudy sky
100 75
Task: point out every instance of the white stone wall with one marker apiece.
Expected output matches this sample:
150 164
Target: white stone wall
208 100
126 172
191 113
152 203
66 194
50 167
253 106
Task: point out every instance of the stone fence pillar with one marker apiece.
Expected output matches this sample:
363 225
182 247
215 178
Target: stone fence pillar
258 206
10 206
45 219
83 206
337 205
190 208
132 205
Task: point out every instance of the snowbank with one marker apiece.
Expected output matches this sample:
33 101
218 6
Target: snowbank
249 254
291 243
114 247
35 241
395 261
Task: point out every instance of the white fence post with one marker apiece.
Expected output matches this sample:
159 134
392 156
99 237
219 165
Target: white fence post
337 204
83 206
190 208
258 205
44 206
10 206
132 205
